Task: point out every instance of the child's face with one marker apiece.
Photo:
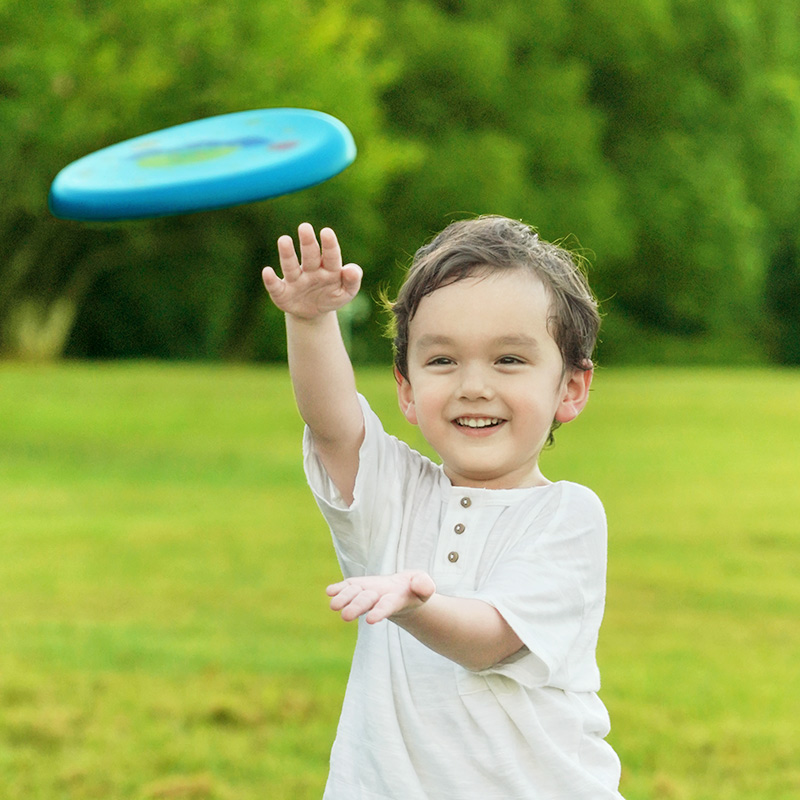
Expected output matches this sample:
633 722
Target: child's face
486 379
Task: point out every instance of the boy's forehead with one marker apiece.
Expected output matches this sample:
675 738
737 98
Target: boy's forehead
488 288
508 339
477 277
509 308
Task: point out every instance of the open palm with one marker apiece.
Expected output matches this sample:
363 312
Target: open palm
317 282
380 596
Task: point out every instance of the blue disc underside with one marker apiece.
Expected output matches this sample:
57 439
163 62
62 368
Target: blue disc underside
206 164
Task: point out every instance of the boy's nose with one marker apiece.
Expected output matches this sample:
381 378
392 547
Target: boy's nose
475 384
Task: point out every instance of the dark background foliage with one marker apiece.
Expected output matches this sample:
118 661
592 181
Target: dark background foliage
661 138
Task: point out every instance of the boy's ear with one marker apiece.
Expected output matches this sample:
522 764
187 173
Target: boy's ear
575 394
405 397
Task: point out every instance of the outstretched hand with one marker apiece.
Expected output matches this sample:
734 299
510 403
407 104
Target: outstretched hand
380 596
318 282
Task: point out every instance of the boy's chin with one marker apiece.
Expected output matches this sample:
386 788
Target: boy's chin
500 479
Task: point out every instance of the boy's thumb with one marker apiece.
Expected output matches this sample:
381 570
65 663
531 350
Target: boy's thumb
422 585
351 278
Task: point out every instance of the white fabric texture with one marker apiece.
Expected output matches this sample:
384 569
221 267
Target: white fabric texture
417 726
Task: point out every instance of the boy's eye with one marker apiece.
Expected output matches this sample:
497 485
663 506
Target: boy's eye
440 361
509 360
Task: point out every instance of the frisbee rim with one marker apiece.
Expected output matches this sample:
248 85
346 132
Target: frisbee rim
187 194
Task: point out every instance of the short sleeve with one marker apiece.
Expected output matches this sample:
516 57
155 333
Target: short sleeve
550 588
362 529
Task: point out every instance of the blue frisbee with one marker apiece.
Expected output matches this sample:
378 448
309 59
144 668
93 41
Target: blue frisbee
210 163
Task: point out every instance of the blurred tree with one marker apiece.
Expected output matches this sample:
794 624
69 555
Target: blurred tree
783 301
663 135
502 121
628 125
75 76
772 114
702 119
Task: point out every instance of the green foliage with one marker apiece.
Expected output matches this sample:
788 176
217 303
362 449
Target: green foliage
165 632
77 77
502 119
663 136
697 98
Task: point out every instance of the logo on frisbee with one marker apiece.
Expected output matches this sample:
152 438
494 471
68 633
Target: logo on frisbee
205 150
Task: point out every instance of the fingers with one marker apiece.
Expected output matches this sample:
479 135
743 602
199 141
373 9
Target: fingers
325 254
310 254
314 254
352 600
380 597
342 593
386 606
272 283
290 266
330 251
422 585
351 279
335 588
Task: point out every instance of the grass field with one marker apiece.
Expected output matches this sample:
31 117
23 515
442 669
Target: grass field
164 631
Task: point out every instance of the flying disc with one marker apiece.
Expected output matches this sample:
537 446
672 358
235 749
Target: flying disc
216 162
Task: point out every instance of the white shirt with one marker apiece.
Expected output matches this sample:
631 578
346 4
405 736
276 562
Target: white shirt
417 726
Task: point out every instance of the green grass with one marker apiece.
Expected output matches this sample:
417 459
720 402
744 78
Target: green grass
164 631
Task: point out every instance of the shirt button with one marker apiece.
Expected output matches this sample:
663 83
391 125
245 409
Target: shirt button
452 557
459 528
466 502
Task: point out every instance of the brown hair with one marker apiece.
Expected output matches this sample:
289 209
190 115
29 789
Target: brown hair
493 243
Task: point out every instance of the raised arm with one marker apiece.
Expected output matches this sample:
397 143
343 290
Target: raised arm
310 292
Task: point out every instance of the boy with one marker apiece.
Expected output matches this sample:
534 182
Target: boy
478 584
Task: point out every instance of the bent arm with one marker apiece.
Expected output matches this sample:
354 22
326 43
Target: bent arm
468 631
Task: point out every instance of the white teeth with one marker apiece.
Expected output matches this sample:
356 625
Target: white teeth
483 422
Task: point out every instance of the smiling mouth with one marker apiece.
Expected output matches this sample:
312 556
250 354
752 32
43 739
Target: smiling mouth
478 422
